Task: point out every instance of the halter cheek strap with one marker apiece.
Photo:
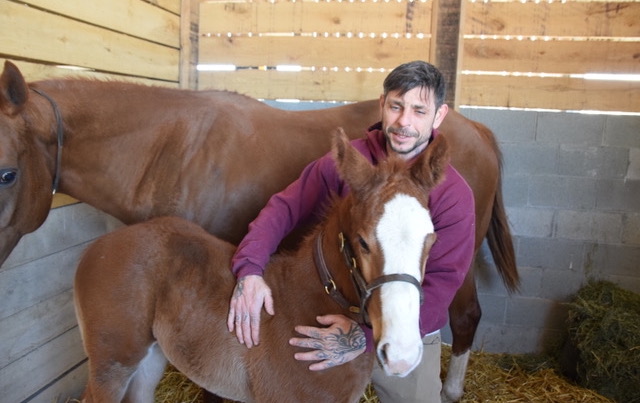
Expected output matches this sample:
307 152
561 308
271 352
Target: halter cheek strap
363 289
59 135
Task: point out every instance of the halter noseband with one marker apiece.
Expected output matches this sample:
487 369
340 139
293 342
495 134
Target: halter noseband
363 289
59 135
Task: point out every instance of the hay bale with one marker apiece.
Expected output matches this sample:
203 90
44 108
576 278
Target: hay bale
604 334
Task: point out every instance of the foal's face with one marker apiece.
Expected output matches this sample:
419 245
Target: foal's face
404 233
391 232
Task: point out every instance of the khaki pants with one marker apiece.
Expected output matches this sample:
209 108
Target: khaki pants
422 385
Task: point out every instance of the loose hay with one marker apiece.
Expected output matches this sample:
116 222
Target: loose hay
604 334
495 378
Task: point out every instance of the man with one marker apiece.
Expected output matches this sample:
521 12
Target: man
412 108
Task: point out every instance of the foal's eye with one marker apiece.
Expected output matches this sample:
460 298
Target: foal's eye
7 176
363 244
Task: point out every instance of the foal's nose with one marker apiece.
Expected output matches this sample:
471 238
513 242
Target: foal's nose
395 364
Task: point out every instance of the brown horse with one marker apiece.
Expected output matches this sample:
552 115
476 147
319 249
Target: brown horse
212 157
158 290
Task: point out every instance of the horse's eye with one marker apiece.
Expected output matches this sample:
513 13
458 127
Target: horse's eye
7 176
363 244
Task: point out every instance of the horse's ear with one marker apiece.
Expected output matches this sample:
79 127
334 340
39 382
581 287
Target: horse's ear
352 166
13 90
430 167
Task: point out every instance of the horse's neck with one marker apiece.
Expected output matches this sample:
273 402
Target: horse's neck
105 141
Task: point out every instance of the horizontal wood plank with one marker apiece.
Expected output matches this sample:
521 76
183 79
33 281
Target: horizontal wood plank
308 52
24 377
578 19
30 33
307 17
549 93
551 56
53 275
169 5
132 17
35 326
313 86
36 71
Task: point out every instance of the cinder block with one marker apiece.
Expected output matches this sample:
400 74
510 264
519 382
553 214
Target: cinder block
605 260
570 128
561 285
589 226
552 253
512 127
618 195
631 230
531 221
601 162
512 339
622 131
534 312
493 308
529 159
633 170
562 191
515 189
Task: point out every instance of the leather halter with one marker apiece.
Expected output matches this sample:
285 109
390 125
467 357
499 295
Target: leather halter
59 135
363 289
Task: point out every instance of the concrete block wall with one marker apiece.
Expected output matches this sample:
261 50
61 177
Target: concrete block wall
572 190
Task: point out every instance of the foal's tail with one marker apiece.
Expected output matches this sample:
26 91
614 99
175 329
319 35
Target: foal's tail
499 235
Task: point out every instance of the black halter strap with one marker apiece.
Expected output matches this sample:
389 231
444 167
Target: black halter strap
59 135
363 289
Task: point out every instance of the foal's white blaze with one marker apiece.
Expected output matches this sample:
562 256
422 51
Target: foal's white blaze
402 233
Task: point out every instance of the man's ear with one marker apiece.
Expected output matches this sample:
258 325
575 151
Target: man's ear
440 114
382 98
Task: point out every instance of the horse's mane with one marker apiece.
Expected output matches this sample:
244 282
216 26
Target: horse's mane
75 81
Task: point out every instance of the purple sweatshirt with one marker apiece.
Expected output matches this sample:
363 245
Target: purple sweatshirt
452 210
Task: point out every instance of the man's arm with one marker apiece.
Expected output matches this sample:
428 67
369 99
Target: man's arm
283 213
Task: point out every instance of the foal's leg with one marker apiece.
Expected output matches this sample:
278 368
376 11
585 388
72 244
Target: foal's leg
107 384
148 375
464 316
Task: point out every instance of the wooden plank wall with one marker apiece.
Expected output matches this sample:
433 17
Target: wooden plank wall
513 53
534 54
344 48
41 355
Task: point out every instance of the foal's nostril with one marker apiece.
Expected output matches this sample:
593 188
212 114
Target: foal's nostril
382 353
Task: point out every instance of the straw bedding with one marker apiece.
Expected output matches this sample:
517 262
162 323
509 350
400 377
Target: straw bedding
499 378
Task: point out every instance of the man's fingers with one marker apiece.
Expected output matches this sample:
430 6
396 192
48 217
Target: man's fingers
231 319
268 304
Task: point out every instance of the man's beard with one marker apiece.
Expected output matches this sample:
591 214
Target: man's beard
403 132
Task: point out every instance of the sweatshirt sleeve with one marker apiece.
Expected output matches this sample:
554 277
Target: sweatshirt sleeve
453 214
283 212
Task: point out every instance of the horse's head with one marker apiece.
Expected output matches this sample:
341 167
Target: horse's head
25 180
388 232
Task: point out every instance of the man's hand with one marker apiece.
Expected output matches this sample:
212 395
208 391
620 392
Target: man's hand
340 342
250 294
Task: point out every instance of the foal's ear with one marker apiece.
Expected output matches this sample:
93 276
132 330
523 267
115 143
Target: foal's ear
352 166
13 90
430 167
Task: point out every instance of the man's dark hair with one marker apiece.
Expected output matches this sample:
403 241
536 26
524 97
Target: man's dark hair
414 74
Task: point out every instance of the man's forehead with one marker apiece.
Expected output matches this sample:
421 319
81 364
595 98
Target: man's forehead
416 97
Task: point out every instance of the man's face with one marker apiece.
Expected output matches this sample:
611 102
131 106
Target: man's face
407 120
